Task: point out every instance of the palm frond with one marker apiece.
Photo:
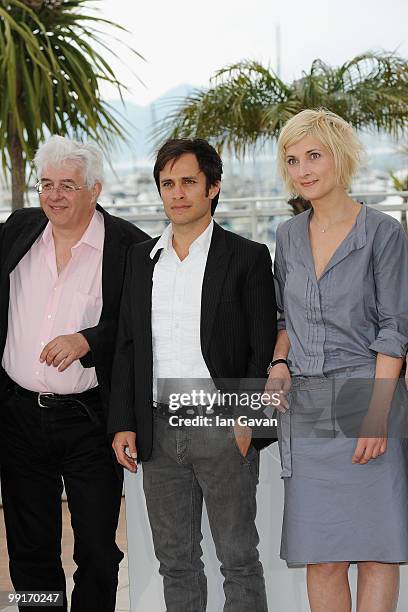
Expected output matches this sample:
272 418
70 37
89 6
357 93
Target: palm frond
52 61
247 103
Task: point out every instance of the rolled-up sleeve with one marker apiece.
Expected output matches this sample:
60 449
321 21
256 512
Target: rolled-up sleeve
280 278
390 260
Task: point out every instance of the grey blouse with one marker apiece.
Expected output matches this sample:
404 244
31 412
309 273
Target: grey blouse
358 307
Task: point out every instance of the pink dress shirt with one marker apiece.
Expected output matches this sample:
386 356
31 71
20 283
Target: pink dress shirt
44 305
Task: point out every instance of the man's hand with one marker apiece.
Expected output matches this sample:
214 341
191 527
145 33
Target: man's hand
243 437
64 350
126 440
279 382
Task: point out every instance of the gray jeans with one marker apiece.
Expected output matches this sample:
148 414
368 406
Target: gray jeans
187 465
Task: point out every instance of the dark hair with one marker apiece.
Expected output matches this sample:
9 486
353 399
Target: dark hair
208 160
299 205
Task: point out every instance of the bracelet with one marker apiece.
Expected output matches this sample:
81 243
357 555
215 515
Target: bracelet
274 363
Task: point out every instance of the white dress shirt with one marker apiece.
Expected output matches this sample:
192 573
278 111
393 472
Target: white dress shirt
176 309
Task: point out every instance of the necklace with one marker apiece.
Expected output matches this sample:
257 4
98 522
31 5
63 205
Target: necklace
323 230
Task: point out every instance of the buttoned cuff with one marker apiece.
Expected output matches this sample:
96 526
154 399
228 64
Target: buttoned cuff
390 342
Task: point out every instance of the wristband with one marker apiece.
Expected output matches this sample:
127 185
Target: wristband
274 363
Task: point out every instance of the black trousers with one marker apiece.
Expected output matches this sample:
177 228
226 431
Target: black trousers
40 449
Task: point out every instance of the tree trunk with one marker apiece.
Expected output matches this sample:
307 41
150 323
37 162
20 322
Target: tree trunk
18 185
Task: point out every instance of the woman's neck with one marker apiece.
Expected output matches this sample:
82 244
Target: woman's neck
334 207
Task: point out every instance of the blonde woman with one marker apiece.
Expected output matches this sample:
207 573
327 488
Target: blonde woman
342 274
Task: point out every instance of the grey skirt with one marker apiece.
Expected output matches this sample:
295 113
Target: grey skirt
335 510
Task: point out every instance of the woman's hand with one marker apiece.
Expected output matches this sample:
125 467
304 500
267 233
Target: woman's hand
369 448
372 441
374 427
279 383
406 371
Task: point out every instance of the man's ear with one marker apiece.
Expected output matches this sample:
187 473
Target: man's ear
214 189
96 190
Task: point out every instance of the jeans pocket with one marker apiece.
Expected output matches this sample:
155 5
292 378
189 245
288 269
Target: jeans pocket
250 461
251 448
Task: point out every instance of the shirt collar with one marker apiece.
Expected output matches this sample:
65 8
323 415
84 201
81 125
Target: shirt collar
164 242
46 236
202 243
94 234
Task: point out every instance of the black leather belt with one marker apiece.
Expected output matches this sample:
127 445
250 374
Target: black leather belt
48 400
164 410
54 400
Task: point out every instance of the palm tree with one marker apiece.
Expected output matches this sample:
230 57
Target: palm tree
51 64
400 183
247 104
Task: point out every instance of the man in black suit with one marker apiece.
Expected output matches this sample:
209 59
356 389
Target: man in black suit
198 304
62 269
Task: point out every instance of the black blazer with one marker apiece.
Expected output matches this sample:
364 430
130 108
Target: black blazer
238 327
18 234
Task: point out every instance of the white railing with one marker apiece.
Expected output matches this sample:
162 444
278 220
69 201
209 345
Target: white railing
250 209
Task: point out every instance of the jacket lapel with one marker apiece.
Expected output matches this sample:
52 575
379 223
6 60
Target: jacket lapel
144 287
28 235
214 275
142 313
113 261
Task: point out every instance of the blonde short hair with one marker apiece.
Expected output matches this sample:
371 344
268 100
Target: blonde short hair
333 132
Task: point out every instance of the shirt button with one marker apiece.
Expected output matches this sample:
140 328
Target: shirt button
49 317
37 373
42 343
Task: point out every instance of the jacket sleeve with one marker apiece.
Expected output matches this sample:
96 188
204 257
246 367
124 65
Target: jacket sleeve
121 415
101 340
280 278
260 306
101 337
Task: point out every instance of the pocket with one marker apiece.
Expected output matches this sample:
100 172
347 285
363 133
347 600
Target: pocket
251 448
87 309
8 395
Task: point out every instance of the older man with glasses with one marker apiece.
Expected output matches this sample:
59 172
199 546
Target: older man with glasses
62 267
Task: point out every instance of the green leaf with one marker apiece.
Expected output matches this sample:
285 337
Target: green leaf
248 104
52 61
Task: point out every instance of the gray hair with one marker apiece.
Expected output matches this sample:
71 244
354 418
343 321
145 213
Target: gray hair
58 150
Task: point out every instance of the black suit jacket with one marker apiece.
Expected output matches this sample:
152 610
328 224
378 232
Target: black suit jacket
17 236
238 327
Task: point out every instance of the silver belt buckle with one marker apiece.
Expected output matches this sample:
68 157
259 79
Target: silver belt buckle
39 398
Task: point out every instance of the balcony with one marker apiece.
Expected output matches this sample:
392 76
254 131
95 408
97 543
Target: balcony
253 217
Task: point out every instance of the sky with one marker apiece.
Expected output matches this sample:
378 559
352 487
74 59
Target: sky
186 42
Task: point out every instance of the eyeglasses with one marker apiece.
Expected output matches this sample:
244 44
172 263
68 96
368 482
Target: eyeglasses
46 187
